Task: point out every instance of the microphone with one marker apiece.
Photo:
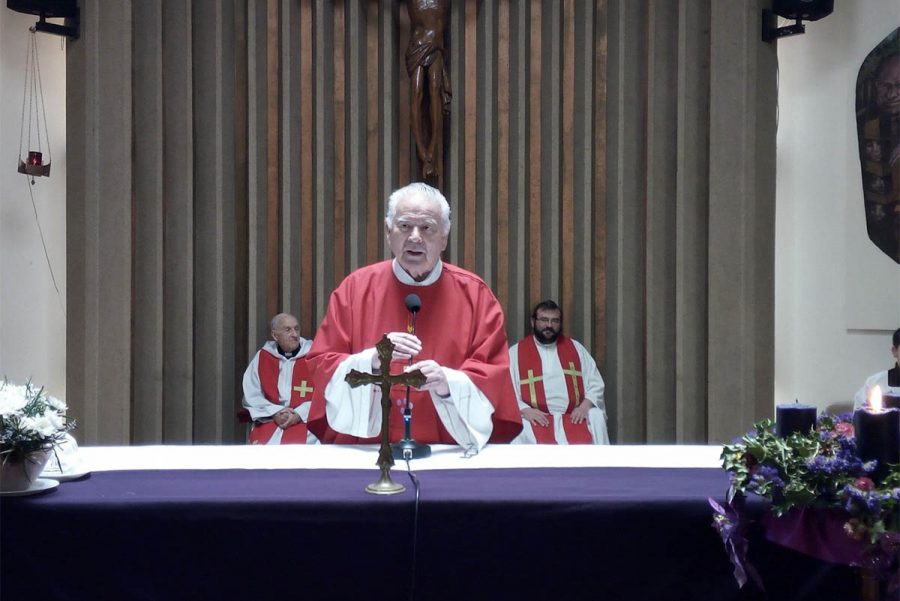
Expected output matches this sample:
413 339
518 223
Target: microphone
408 448
413 304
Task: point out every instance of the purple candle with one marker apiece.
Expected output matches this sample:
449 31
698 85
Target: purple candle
794 417
878 438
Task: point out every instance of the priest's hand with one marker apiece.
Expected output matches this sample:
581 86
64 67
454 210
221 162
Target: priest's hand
435 378
580 413
406 346
286 418
535 417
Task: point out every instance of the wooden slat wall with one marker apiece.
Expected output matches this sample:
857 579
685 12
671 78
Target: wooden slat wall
363 124
267 136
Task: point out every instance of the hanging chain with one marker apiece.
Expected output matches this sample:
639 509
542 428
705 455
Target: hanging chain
37 64
37 109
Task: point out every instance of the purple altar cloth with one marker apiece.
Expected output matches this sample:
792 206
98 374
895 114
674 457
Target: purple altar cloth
818 533
572 533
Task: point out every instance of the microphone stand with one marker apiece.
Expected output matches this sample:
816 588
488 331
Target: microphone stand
408 448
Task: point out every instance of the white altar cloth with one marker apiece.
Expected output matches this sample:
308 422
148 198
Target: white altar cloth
171 457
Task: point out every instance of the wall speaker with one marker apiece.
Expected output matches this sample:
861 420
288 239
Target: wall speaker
803 10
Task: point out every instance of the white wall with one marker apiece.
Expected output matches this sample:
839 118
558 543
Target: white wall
32 314
828 339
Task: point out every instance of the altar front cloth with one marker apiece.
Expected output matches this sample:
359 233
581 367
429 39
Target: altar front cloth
309 531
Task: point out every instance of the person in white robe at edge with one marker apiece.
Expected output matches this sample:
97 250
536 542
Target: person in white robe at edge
888 380
557 383
278 386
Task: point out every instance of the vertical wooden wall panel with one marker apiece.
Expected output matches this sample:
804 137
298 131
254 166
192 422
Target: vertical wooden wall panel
373 132
662 103
600 183
340 165
147 211
470 117
273 158
486 146
178 208
290 159
551 153
306 309
323 141
533 216
405 149
257 172
243 342
691 221
518 309
355 84
569 225
504 222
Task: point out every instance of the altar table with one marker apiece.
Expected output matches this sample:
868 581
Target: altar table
294 522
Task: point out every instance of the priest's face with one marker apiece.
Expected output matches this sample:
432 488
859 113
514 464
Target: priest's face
547 325
287 333
417 237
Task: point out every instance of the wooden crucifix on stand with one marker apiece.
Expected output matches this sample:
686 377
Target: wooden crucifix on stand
385 348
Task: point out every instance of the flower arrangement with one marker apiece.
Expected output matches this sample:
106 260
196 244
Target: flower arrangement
30 421
817 470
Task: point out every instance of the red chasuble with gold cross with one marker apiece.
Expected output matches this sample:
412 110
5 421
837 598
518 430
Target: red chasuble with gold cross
301 391
531 384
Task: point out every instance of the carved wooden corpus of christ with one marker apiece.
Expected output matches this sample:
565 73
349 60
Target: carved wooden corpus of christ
430 82
385 348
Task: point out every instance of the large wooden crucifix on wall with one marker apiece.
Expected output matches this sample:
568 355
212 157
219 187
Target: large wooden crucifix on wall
430 82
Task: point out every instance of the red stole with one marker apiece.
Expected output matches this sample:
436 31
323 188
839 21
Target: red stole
531 384
301 391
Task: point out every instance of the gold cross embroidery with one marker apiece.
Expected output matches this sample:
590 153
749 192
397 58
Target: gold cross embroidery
530 380
575 375
303 388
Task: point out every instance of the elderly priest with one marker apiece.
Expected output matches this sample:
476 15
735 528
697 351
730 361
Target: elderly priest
459 342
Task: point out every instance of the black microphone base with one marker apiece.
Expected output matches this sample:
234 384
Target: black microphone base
408 448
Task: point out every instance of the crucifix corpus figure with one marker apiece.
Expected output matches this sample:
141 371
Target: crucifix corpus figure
385 348
427 69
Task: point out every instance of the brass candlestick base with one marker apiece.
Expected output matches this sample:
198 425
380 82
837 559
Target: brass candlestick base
384 485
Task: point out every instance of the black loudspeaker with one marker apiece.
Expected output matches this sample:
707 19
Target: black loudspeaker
804 10
50 9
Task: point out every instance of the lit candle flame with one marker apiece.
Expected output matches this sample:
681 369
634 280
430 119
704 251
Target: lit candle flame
875 402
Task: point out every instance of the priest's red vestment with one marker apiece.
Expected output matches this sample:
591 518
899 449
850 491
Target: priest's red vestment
460 324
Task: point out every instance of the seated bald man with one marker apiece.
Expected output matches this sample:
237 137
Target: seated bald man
278 386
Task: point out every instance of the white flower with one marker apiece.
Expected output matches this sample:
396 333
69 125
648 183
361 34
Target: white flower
12 399
30 418
58 405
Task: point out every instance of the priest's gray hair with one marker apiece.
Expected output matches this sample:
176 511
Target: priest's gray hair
432 194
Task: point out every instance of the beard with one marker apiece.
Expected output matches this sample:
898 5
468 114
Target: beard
545 336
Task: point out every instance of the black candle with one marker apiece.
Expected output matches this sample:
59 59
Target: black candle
35 157
794 417
878 438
